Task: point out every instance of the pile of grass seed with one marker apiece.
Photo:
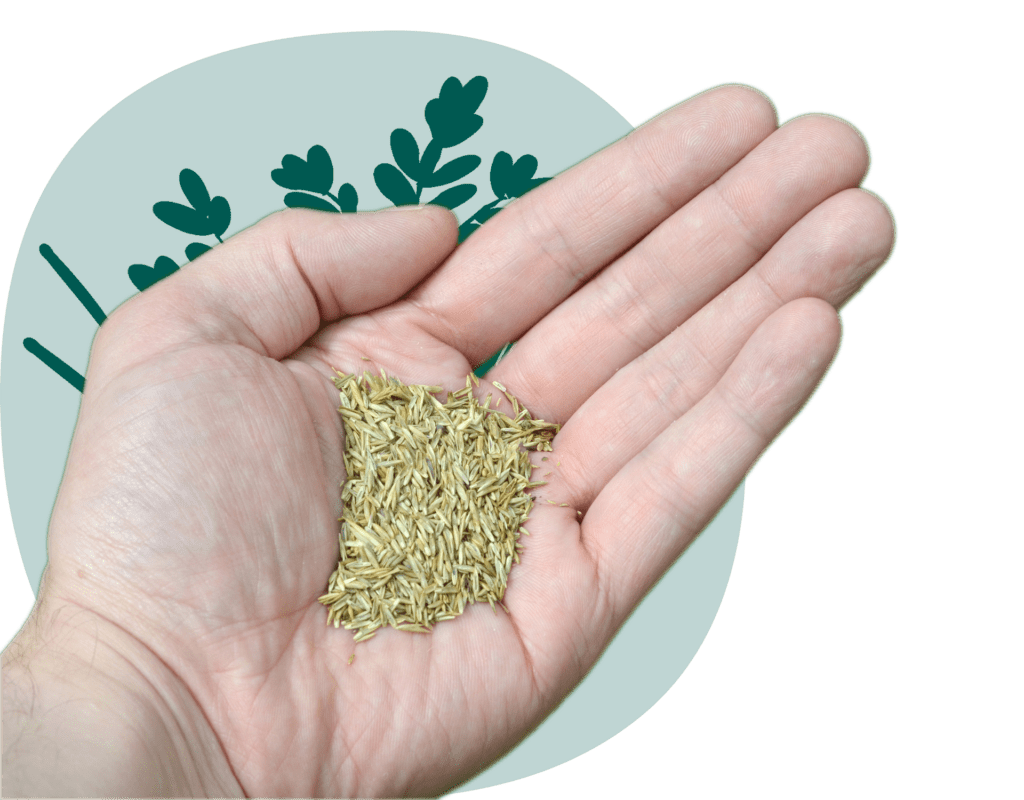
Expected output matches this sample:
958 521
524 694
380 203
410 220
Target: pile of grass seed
434 502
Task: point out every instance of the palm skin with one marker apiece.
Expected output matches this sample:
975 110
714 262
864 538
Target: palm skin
672 298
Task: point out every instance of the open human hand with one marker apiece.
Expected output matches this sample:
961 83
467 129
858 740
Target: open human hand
673 301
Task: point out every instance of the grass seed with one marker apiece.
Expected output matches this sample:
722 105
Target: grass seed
433 505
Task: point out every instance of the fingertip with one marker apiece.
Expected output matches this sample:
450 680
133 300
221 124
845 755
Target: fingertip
446 217
842 142
812 319
433 227
817 349
754 103
815 308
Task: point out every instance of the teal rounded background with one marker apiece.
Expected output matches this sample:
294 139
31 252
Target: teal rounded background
231 118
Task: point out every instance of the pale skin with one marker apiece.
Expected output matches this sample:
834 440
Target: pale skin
674 298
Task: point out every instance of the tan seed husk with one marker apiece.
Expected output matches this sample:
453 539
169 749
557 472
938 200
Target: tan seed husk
433 505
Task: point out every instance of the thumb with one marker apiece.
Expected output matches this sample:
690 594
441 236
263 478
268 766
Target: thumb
272 286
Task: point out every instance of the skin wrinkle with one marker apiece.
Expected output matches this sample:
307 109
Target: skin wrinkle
580 653
678 366
418 721
451 337
157 690
291 745
579 269
610 191
681 507
524 646
567 474
621 296
315 350
333 724
223 327
294 263
736 407
745 229
575 642
697 144
570 270
650 166
387 701
665 278
304 322
96 383
574 483
330 440
604 609
144 414
762 280
656 385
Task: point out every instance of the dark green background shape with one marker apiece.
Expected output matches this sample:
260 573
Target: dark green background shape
231 118
868 644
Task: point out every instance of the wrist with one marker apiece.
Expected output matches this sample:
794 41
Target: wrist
90 711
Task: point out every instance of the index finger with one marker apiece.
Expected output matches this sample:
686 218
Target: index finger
541 248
